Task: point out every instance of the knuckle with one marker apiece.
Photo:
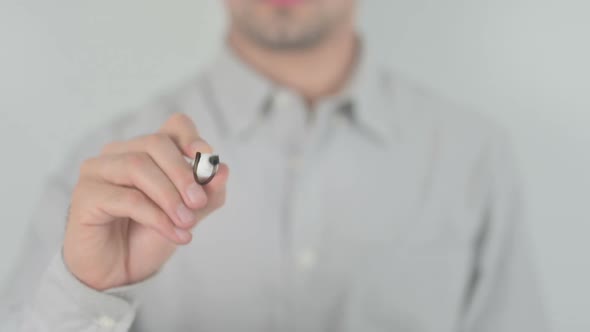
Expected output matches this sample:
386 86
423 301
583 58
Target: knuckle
84 196
137 160
157 139
179 118
133 197
109 147
87 166
78 191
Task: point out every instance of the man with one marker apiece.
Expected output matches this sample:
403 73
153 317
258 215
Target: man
356 201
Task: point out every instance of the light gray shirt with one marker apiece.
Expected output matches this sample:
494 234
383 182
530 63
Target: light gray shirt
385 208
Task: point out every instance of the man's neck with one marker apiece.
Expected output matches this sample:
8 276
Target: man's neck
314 73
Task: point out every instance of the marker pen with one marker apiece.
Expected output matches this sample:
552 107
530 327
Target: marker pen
205 167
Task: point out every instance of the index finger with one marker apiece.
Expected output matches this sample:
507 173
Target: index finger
182 130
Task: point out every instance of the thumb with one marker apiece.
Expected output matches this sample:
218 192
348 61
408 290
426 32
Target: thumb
182 130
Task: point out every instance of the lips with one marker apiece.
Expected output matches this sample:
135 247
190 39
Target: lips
284 3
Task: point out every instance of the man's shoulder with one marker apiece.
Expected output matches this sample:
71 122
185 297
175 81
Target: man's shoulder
424 111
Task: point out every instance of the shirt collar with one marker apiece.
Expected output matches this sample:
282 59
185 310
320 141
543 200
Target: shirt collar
368 96
242 95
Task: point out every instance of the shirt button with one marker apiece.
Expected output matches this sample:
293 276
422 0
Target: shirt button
295 162
306 259
340 120
106 322
281 100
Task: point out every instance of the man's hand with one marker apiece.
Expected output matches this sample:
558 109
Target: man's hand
135 202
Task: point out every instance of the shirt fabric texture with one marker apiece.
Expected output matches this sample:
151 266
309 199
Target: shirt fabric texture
385 208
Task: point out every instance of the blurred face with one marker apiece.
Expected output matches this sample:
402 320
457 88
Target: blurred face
289 24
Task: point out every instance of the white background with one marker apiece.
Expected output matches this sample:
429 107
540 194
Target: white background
68 66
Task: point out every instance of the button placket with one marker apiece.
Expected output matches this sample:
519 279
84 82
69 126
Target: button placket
288 128
304 223
306 260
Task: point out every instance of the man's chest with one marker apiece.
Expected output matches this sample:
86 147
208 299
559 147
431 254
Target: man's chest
348 235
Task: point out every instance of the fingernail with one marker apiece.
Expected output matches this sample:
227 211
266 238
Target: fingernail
195 193
182 234
185 215
200 146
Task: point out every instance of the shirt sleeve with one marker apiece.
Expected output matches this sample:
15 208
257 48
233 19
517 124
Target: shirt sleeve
504 292
63 303
42 294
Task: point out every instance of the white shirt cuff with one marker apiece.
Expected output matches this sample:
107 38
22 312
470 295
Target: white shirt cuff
64 303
